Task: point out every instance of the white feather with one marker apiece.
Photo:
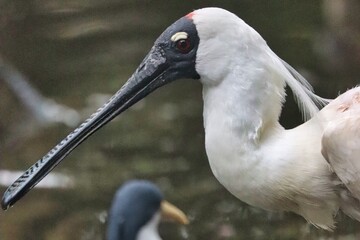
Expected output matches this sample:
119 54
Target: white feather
308 102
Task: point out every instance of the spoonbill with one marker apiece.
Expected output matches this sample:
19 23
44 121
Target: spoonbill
311 170
136 210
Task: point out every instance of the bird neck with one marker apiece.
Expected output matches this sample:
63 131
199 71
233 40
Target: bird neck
241 112
150 230
247 102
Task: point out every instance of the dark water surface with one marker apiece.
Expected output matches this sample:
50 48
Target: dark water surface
80 52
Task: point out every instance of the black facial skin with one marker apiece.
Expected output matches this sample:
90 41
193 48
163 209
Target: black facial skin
163 64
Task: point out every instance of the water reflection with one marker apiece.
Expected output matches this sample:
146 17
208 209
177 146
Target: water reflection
71 50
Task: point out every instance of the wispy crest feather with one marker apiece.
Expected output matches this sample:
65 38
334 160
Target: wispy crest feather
308 102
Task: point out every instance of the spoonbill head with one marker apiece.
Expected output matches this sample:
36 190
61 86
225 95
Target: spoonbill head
306 170
136 210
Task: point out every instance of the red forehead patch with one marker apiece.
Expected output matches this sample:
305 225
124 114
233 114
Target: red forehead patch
190 15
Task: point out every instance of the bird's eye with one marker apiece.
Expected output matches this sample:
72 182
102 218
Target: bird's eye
183 45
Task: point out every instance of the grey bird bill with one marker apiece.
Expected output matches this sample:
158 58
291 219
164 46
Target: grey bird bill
151 74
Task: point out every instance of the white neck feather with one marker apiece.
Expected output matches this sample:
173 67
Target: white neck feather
150 230
240 113
247 101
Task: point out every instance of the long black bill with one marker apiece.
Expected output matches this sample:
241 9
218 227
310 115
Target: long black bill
173 56
150 75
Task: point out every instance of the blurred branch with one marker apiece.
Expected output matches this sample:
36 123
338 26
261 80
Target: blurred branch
46 111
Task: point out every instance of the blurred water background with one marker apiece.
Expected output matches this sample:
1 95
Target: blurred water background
77 53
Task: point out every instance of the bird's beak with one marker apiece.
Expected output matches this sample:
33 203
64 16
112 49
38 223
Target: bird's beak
151 74
170 212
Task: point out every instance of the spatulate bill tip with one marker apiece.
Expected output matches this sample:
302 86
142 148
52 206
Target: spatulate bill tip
5 202
13 194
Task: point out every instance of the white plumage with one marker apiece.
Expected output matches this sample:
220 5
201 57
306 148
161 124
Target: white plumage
249 152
